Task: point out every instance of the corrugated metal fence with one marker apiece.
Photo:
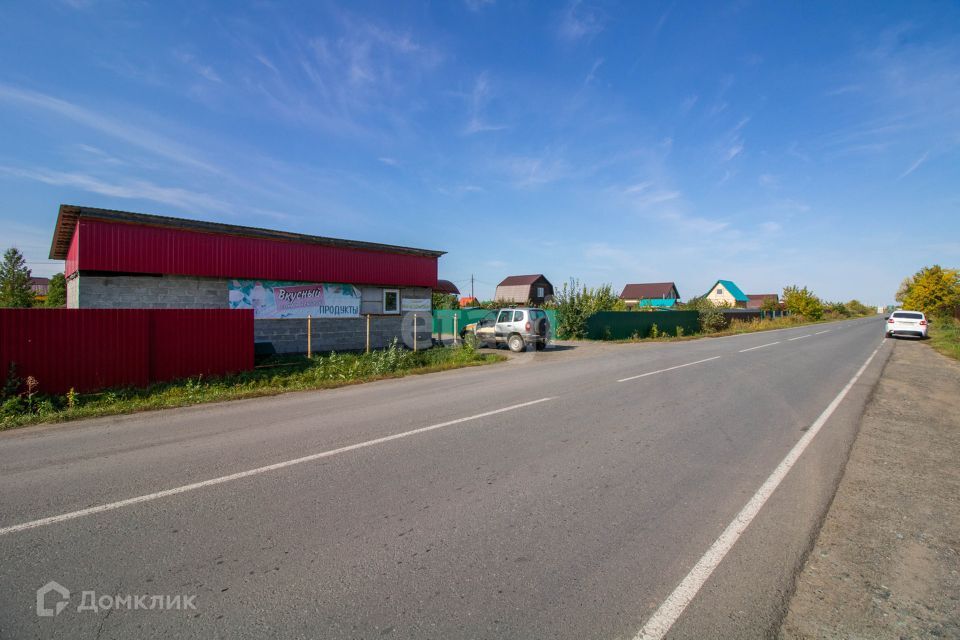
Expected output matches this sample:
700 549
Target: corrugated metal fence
90 349
443 319
621 325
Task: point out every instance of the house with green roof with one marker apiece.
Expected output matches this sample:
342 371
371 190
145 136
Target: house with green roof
726 292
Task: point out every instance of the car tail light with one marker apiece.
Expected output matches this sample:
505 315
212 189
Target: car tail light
890 321
528 326
923 322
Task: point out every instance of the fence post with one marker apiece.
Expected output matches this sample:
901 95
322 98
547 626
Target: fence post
309 336
455 334
368 333
415 333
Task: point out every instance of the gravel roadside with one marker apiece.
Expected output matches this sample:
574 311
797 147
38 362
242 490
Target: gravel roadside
886 563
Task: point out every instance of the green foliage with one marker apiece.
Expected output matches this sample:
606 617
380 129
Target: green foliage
655 331
57 292
858 309
444 301
802 302
770 305
945 336
11 385
679 331
711 315
15 288
932 290
576 303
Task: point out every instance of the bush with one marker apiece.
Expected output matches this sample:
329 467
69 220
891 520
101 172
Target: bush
711 315
802 302
575 304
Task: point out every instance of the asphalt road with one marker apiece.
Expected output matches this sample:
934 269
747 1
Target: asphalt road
560 495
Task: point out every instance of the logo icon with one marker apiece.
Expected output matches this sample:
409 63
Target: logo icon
42 610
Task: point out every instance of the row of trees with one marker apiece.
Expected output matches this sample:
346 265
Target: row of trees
932 290
15 289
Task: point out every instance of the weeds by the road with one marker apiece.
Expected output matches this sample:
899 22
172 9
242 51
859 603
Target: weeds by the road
737 327
945 336
277 375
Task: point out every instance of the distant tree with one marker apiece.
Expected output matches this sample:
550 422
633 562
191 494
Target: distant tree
15 288
770 305
802 302
57 292
933 290
445 301
857 308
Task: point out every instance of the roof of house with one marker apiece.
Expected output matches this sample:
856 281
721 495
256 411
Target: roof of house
734 290
762 296
646 290
34 280
445 286
512 281
69 215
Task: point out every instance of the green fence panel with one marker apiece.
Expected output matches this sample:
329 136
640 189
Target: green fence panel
621 325
443 319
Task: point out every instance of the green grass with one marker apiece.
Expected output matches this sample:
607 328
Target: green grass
945 336
273 376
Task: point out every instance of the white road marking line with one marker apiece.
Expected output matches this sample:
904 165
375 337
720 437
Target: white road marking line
819 332
800 337
673 607
760 347
252 472
679 366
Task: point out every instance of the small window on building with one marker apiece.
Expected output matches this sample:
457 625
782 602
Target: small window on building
719 292
539 292
391 301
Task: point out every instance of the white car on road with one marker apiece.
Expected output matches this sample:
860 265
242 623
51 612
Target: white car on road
907 323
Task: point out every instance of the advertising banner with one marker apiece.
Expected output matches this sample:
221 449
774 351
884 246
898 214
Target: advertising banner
417 304
271 299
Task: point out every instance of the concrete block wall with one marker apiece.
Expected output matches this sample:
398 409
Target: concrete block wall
288 336
146 292
342 334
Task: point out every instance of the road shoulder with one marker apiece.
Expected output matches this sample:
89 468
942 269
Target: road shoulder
886 563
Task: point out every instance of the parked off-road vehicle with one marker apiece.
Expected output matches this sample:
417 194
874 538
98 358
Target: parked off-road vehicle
516 328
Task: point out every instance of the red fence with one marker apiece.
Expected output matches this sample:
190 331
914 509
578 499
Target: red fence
90 349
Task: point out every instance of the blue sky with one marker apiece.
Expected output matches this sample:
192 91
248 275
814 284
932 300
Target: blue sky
768 143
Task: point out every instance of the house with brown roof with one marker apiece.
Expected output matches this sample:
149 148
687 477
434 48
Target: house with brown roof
535 289
659 295
756 300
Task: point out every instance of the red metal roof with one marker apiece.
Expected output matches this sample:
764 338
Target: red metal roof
101 240
649 290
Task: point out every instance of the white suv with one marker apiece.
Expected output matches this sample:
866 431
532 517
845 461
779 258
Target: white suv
907 323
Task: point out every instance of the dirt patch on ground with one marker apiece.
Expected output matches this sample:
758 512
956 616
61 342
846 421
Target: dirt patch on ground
887 561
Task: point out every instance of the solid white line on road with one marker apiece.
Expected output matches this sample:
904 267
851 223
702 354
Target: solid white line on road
800 337
675 604
679 366
819 332
769 344
253 472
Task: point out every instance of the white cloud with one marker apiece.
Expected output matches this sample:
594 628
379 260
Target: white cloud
913 167
198 67
478 99
110 125
127 188
578 22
